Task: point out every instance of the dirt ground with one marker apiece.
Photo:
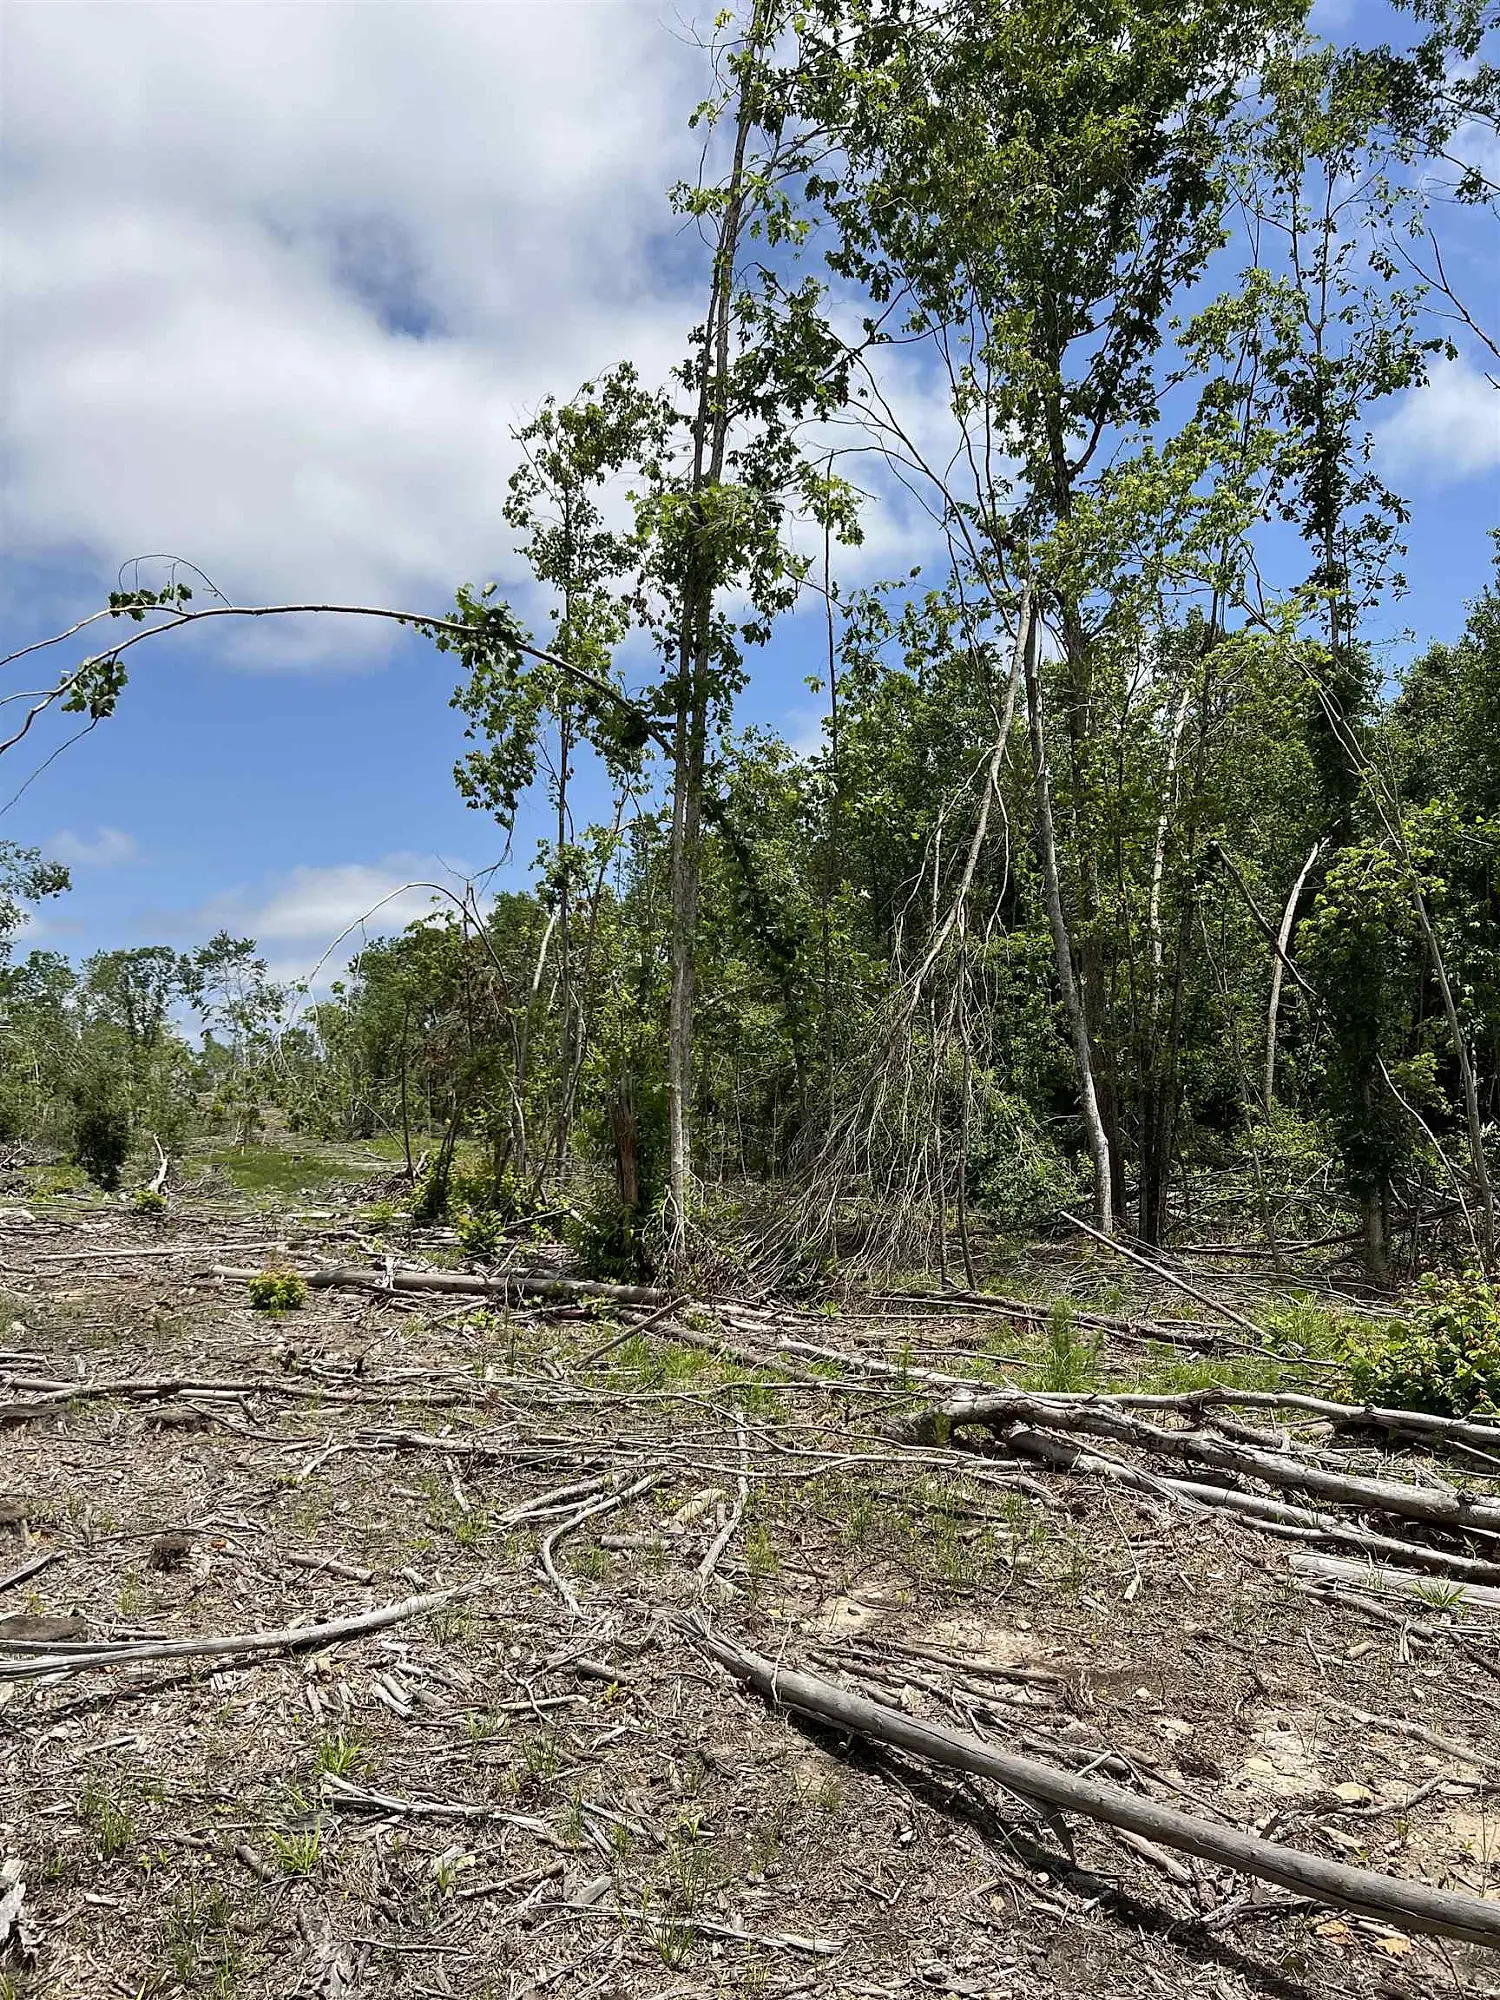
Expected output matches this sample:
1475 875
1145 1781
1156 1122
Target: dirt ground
542 1785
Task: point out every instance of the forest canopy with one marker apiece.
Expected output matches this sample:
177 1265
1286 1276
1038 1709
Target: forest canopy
1130 877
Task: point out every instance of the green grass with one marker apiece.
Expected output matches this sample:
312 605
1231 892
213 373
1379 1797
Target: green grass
278 1169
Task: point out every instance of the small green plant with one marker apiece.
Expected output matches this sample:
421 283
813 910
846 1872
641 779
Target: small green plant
298 1853
202 1950
278 1291
1440 1595
149 1201
480 1233
1444 1358
761 1560
1069 1363
103 1815
338 1756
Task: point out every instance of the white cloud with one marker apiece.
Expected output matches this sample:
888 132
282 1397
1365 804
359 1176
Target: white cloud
280 280
1447 430
106 849
317 905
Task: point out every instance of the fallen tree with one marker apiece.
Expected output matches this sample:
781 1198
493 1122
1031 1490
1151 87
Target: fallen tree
1437 1506
1411 1906
504 1285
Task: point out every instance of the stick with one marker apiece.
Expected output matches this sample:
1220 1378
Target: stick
1412 1906
595 1508
1168 1277
30 1569
353 1278
79 1658
722 1540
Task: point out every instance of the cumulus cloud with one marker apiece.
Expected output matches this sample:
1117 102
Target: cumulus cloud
315 906
107 847
1447 430
280 281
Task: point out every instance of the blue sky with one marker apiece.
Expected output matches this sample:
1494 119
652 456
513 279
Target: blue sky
281 276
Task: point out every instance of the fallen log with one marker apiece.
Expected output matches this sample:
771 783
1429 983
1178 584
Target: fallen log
78 1658
1457 1596
1304 1523
1344 1416
504 1285
1391 1899
1439 1506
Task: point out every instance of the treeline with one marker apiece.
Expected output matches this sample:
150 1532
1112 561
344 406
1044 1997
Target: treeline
1125 878
133 1046
881 1040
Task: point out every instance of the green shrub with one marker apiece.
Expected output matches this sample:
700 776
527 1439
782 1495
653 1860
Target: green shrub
480 1232
1444 1358
1018 1177
149 1201
1069 1363
101 1140
607 1238
430 1201
278 1291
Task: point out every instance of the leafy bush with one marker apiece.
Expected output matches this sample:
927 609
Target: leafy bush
1018 1176
278 1291
430 1202
101 1140
149 1201
480 1232
1444 1358
607 1238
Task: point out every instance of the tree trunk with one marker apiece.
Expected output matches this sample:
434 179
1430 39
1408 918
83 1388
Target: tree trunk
1278 963
1093 1123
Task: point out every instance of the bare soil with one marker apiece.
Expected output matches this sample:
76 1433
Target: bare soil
518 1794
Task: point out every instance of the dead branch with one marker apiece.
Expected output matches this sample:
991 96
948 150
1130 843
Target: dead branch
503 1286
1412 1906
79 1658
1440 1506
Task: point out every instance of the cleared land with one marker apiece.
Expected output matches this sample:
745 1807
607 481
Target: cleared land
543 1784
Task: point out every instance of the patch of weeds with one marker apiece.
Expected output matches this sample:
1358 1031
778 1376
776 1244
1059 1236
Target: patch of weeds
1069 1361
105 1816
1303 1326
274 1169
470 1529
337 1756
1444 1358
829 1797
590 1561
202 1949
149 1201
761 1560
660 1364
762 1397
278 1291
855 1509
452 1622
298 1852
